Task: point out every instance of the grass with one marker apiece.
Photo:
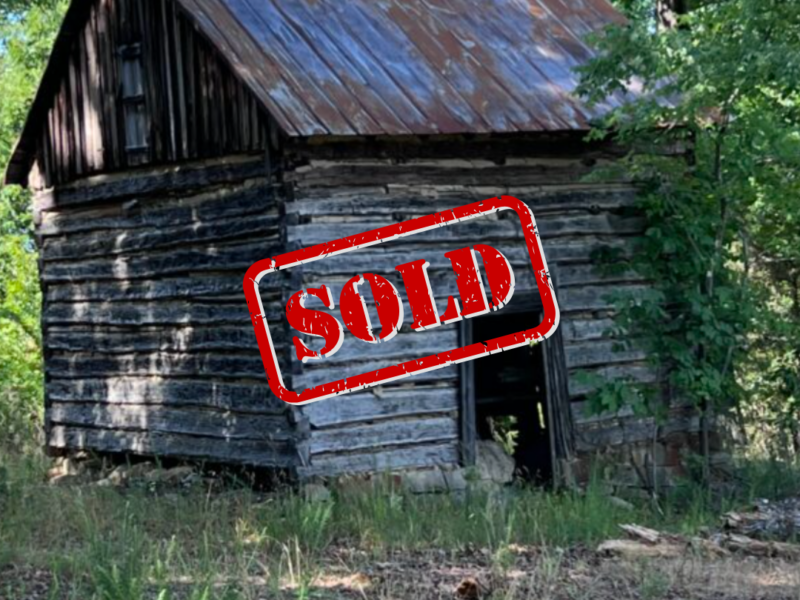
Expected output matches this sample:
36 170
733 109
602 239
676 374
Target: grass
112 545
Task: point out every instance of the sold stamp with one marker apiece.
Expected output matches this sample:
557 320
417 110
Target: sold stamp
354 316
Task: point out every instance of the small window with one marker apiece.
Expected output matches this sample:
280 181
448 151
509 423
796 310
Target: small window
133 101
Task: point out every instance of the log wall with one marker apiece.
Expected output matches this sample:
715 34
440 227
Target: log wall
342 189
149 345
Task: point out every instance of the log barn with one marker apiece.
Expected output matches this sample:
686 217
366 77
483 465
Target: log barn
173 143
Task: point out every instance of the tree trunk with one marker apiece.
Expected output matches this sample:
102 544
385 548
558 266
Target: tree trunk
668 11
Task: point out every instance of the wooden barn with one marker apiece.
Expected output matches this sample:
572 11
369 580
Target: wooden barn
173 143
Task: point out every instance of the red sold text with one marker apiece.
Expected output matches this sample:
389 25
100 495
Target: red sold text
389 306
472 301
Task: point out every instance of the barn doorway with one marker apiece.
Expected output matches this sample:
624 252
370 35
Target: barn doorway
509 396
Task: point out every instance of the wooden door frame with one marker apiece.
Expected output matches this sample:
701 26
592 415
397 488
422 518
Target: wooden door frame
559 414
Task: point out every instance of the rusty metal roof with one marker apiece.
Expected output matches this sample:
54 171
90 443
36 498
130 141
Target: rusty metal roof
386 67
393 67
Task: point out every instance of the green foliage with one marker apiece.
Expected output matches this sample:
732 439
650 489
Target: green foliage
724 85
20 349
27 30
505 431
110 544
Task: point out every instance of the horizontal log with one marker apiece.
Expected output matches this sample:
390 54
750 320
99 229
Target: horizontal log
163 445
636 372
443 279
251 198
381 403
600 352
404 346
572 275
621 431
253 397
593 297
228 285
384 258
109 243
160 181
578 330
79 365
530 172
313 377
386 433
230 257
189 421
382 461
406 203
484 229
155 313
585 418
443 284
181 339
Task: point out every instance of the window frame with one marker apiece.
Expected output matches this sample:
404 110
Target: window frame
134 102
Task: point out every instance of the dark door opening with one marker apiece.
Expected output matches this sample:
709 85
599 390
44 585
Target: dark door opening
510 396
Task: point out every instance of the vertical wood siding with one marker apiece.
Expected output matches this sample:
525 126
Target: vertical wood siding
193 107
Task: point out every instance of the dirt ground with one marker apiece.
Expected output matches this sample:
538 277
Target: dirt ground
514 573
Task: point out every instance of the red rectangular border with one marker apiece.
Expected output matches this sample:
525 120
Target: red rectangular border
545 329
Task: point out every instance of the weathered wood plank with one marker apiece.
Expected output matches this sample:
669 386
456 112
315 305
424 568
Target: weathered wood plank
75 365
558 415
635 372
252 197
160 181
252 397
313 377
594 297
383 403
404 346
382 461
232 257
418 201
443 279
79 246
522 172
571 275
179 339
600 352
483 228
386 433
257 453
154 313
443 285
616 432
587 419
383 259
195 287
189 421
579 330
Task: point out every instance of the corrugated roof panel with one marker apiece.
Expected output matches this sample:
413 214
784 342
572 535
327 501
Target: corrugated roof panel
395 67
387 67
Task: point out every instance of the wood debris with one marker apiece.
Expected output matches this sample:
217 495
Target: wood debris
747 545
637 549
768 520
649 543
645 533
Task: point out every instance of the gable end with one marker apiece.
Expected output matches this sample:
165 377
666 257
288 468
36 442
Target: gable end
131 83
